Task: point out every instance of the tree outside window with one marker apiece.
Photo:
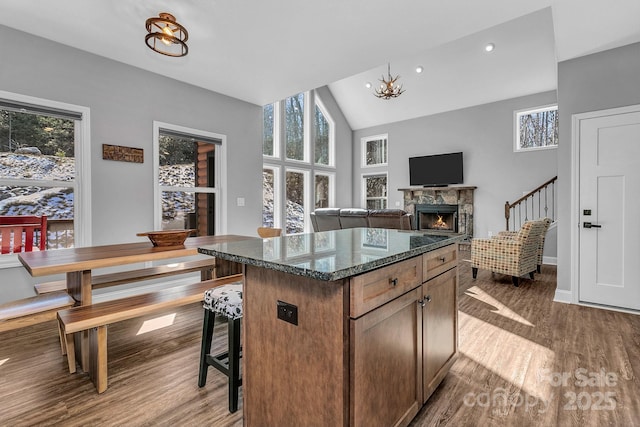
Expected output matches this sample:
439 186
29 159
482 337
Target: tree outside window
322 190
295 200
269 185
374 151
306 182
375 189
321 144
536 128
38 171
187 182
294 127
268 148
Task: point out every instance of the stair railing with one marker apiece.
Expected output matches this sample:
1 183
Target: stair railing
538 203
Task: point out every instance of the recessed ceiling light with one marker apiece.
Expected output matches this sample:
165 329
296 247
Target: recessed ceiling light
489 47
367 85
419 69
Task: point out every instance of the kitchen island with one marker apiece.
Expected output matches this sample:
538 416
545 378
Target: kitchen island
347 327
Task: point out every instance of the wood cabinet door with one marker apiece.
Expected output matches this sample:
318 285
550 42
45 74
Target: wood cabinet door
440 328
386 368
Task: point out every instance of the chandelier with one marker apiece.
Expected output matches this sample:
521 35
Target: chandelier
166 36
388 89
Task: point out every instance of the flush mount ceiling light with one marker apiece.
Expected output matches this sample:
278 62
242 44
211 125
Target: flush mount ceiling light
388 88
419 69
166 36
489 47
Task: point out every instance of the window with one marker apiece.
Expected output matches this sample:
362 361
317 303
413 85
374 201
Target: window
294 128
188 179
374 184
536 129
375 191
374 151
324 191
270 186
44 167
296 199
305 184
268 148
323 130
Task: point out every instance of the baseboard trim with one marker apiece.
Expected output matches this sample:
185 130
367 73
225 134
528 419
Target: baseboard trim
563 296
551 260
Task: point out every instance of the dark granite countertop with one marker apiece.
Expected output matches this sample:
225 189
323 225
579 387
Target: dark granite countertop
331 255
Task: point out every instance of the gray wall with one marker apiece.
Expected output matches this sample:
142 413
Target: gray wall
485 135
600 81
124 101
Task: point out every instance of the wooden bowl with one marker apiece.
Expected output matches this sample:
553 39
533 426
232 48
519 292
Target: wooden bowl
167 237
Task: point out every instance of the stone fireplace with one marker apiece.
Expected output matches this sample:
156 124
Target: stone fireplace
436 217
442 209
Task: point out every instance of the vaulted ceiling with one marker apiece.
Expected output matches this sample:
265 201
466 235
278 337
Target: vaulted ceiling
265 50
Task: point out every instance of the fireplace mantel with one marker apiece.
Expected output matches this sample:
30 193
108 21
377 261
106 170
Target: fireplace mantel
447 188
462 196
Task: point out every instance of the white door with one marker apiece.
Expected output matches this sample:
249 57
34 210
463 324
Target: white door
610 209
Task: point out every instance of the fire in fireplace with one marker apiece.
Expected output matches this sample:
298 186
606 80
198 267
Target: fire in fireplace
437 217
440 223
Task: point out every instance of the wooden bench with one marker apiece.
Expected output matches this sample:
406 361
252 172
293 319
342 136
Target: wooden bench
96 317
33 310
205 266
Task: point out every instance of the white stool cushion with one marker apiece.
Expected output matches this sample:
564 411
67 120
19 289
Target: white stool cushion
225 300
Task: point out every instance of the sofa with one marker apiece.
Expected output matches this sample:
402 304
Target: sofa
325 219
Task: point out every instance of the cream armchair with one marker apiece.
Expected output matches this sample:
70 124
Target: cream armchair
515 256
512 234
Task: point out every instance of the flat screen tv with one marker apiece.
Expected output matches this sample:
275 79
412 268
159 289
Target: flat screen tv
436 170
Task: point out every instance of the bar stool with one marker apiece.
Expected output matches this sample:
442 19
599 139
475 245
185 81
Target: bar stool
225 301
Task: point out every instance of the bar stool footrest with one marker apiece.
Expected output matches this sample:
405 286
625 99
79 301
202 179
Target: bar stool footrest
221 363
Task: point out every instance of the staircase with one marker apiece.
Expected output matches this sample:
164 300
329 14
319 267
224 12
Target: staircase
538 203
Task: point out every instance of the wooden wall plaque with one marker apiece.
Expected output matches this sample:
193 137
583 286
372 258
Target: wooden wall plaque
122 154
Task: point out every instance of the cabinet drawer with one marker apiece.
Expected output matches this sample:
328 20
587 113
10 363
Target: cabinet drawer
371 290
438 261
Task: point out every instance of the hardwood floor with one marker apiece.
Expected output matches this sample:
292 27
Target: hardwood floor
524 361
152 378
528 361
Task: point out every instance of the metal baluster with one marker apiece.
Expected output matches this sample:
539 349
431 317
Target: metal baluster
533 213
539 202
520 214
553 195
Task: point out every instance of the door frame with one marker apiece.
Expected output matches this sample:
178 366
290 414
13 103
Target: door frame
574 217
